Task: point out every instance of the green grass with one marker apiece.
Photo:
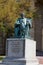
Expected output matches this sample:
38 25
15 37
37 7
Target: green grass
2 57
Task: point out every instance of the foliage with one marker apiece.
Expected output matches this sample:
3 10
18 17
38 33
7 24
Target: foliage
10 10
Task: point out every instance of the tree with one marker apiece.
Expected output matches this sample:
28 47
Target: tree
10 10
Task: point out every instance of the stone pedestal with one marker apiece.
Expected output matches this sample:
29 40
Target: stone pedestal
20 52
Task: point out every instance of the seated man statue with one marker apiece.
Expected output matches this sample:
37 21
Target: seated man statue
22 27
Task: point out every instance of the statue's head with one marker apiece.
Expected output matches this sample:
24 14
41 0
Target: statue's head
22 15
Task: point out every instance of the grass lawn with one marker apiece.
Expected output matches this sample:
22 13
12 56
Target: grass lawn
2 57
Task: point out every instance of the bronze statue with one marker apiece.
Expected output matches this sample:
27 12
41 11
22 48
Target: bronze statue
22 27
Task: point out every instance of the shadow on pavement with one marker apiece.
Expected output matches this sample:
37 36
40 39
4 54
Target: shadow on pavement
39 53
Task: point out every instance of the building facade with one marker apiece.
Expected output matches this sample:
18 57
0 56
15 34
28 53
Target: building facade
38 25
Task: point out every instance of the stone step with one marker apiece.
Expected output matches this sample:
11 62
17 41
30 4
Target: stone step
40 58
2 64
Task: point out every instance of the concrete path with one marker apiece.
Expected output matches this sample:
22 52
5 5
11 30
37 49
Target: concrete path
40 58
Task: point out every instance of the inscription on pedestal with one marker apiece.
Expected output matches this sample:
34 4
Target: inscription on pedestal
15 47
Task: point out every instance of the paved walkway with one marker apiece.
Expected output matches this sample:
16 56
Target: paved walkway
40 58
